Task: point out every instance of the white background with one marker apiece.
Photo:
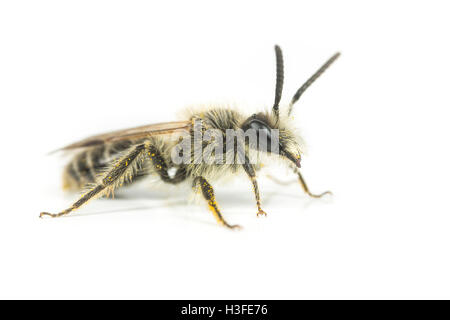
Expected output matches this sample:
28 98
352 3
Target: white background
376 126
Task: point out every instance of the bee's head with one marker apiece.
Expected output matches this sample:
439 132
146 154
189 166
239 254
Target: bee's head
272 127
274 136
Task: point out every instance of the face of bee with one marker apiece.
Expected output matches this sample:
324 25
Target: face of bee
277 139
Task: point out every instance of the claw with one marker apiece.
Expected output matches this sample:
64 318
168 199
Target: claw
53 215
46 214
261 213
233 226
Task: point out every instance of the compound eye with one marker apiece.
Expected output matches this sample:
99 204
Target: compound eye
263 133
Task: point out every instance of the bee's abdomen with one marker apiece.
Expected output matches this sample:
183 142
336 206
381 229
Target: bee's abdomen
87 166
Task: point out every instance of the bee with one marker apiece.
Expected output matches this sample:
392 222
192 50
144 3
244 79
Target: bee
111 160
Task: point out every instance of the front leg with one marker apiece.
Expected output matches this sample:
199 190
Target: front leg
251 173
305 186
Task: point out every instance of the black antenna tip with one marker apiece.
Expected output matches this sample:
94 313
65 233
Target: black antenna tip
336 55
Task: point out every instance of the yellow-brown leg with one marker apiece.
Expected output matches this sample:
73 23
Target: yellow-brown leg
305 186
208 194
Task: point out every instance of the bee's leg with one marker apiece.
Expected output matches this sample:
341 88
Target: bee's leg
251 173
208 194
305 187
161 167
121 169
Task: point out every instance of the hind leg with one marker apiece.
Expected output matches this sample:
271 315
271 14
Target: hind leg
122 170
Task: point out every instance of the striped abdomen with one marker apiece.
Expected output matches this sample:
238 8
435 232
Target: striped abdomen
86 166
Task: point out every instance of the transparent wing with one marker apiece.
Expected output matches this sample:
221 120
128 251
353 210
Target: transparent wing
131 134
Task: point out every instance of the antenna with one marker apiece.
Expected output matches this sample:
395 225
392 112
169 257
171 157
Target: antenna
310 81
280 79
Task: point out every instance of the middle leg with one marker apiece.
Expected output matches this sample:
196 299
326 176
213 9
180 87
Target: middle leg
162 169
208 194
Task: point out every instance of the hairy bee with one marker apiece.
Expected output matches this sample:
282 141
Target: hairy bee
194 150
